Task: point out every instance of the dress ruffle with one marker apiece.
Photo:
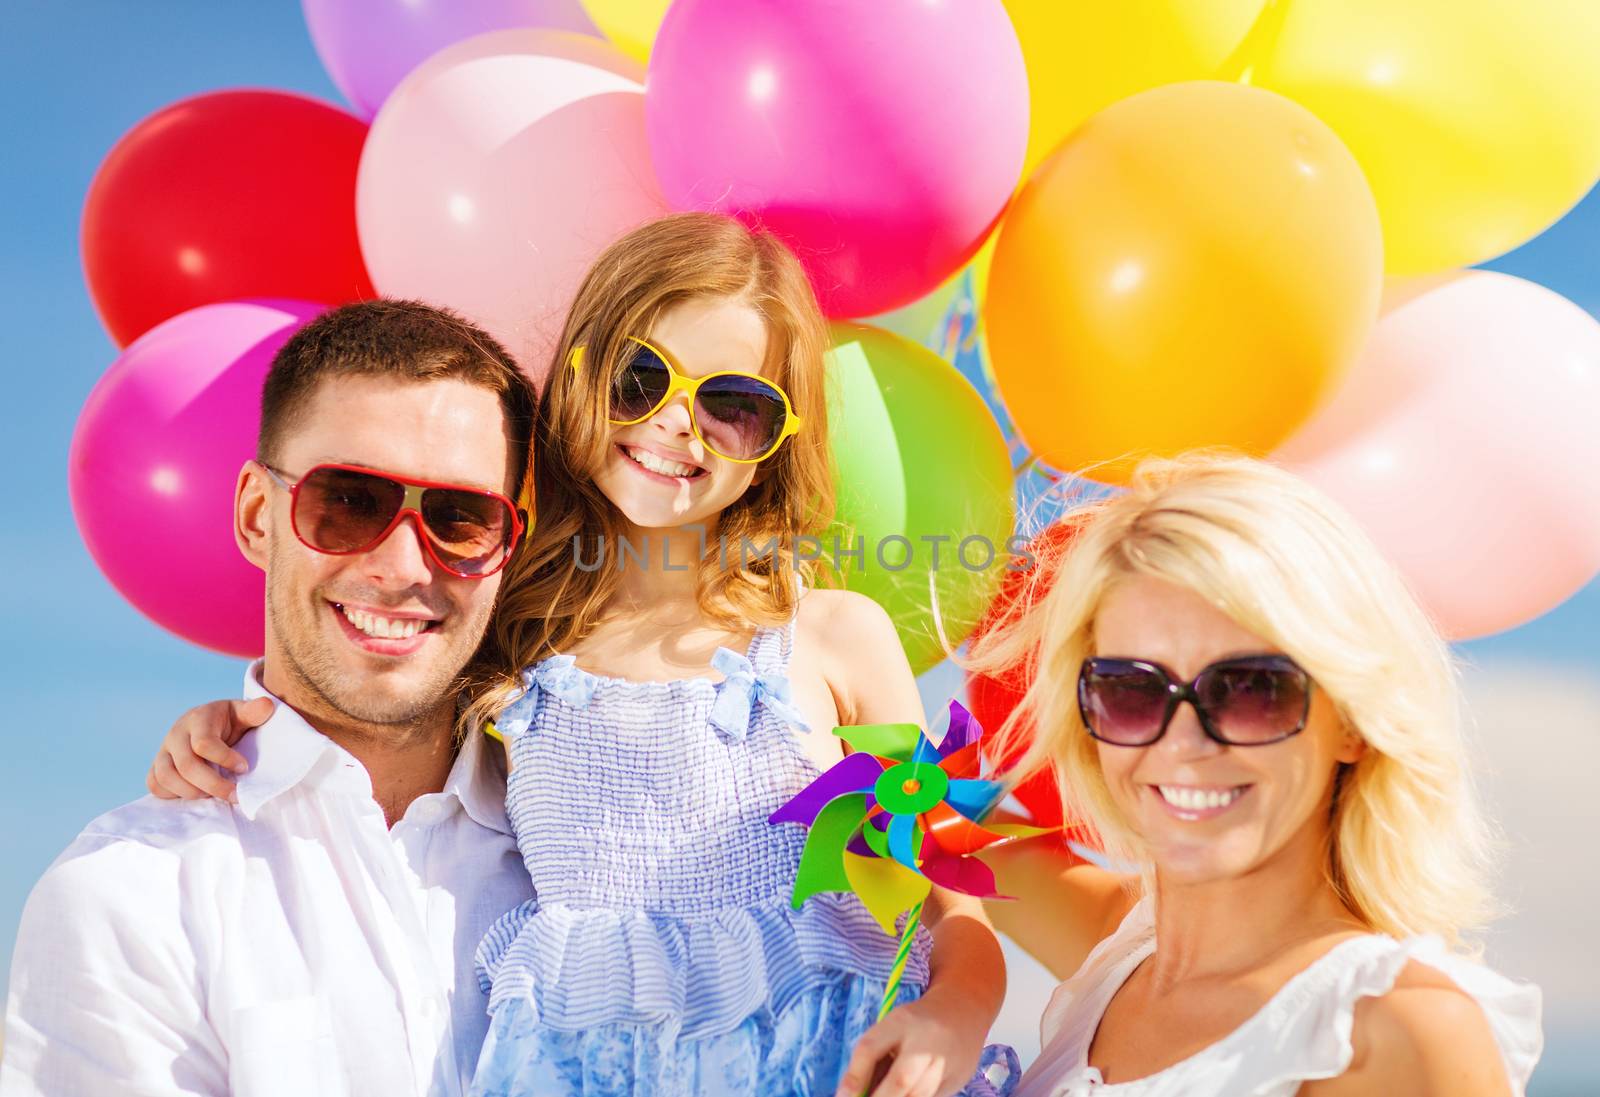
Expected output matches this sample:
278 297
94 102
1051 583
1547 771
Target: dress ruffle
1319 1015
799 1050
577 968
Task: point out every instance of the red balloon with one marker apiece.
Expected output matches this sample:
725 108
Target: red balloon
232 194
993 697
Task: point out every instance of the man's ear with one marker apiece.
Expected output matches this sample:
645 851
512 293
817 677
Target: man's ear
252 513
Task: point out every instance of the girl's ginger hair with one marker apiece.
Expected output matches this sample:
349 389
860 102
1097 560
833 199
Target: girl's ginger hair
546 602
1408 848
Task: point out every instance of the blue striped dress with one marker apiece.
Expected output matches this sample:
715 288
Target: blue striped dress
661 956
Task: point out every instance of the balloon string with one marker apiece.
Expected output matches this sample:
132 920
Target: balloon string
1030 463
1257 44
938 620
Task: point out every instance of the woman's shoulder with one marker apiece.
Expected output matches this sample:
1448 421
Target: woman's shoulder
1411 1016
1426 1035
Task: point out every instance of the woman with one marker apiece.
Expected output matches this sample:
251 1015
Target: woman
1244 700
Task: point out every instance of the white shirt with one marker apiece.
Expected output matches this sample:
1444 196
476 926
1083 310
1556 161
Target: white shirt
293 944
1302 1034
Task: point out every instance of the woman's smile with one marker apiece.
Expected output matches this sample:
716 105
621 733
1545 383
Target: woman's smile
1193 803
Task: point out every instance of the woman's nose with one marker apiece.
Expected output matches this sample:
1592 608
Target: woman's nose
1185 736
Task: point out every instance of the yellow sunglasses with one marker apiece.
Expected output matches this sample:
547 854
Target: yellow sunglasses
740 417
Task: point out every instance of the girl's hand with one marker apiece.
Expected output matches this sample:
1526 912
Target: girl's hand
201 736
935 1044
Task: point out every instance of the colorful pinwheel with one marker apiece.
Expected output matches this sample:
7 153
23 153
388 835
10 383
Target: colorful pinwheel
895 818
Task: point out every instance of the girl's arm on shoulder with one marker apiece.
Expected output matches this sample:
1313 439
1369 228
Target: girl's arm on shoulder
202 739
1427 1037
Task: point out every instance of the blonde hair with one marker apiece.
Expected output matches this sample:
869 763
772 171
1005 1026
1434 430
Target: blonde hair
548 603
1409 851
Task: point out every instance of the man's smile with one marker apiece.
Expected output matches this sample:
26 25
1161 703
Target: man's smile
385 632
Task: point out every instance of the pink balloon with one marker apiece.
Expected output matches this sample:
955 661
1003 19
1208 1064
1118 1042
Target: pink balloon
881 140
1466 441
154 459
368 46
498 171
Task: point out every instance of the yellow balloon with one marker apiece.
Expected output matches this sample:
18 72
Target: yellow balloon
1197 265
1083 55
630 24
1477 122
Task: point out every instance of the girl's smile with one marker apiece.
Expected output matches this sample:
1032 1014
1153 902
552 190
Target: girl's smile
666 467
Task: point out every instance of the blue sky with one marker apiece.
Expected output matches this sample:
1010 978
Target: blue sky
88 685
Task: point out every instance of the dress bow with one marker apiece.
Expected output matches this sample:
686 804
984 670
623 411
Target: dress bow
730 715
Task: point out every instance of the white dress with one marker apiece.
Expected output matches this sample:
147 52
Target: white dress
1301 1034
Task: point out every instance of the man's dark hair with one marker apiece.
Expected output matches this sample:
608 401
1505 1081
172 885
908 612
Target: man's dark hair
406 340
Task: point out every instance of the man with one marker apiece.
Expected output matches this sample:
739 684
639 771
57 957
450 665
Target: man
316 936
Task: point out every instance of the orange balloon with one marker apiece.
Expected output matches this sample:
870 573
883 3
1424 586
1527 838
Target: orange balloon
1197 265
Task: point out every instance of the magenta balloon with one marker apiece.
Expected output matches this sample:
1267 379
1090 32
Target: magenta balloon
881 140
154 460
1466 442
498 171
368 46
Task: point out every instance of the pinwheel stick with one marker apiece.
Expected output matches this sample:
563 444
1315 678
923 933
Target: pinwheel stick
892 991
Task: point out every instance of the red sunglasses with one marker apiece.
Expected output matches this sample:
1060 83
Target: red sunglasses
342 510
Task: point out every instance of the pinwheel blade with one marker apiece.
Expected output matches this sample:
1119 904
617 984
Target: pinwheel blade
896 741
955 834
973 798
822 859
968 875
874 836
904 840
1012 832
887 888
853 773
964 730
964 763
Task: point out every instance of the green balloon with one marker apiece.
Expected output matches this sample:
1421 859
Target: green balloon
924 482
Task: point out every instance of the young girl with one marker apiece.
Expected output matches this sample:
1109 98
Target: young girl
664 680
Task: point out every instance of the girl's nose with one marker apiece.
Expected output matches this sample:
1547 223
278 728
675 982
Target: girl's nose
674 416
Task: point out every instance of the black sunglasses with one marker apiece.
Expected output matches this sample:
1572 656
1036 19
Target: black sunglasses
1246 701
